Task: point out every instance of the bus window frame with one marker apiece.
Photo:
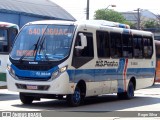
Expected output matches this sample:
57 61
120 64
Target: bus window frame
151 40
142 48
78 61
7 41
130 36
115 46
9 45
107 35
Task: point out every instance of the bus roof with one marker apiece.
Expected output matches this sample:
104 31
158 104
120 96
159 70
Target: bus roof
94 23
89 22
105 23
8 25
51 22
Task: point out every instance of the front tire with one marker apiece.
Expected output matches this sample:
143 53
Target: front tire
75 99
25 99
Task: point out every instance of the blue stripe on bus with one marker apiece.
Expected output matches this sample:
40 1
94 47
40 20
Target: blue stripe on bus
126 31
120 74
97 75
111 73
93 75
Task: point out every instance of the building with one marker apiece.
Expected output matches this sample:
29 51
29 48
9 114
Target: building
22 11
144 15
130 16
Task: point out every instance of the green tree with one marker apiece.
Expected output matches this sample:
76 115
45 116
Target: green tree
109 15
151 24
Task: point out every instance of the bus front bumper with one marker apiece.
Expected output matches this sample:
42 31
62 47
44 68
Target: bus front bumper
59 85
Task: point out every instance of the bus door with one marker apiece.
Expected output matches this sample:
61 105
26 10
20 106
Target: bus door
83 60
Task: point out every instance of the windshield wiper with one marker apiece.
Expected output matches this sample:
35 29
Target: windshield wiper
40 49
35 47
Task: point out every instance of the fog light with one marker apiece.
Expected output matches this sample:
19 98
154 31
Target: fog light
55 74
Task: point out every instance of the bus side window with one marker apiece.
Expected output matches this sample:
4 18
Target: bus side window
148 48
116 45
127 46
103 44
138 46
83 56
88 50
77 52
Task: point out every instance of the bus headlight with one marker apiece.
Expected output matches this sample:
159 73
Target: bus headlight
11 71
63 69
58 72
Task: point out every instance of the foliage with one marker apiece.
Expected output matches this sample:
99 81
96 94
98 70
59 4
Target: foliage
151 24
110 15
132 25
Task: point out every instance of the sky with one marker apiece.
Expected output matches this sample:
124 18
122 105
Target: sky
77 8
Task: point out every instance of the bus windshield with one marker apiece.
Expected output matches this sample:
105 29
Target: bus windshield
43 43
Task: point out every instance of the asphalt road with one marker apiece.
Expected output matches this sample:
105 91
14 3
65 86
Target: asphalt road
147 99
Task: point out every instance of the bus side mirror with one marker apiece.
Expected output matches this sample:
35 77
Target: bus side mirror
83 40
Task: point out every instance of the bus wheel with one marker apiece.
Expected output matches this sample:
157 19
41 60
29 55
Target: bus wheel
26 99
74 100
130 91
120 96
129 94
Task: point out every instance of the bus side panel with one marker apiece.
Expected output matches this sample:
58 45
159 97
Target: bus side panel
3 65
157 47
121 74
145 76
157 77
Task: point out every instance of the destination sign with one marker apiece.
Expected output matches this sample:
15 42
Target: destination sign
26 52
49 31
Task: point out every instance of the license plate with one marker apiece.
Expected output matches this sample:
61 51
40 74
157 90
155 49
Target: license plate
32 87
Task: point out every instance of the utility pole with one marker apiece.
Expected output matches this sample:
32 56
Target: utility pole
87 11
138 19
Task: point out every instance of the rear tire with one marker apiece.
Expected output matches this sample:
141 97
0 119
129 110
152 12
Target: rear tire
121 96
129 94
75 99
130 91
25 99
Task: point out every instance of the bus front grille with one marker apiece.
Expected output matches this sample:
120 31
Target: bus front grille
34 67
32 79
